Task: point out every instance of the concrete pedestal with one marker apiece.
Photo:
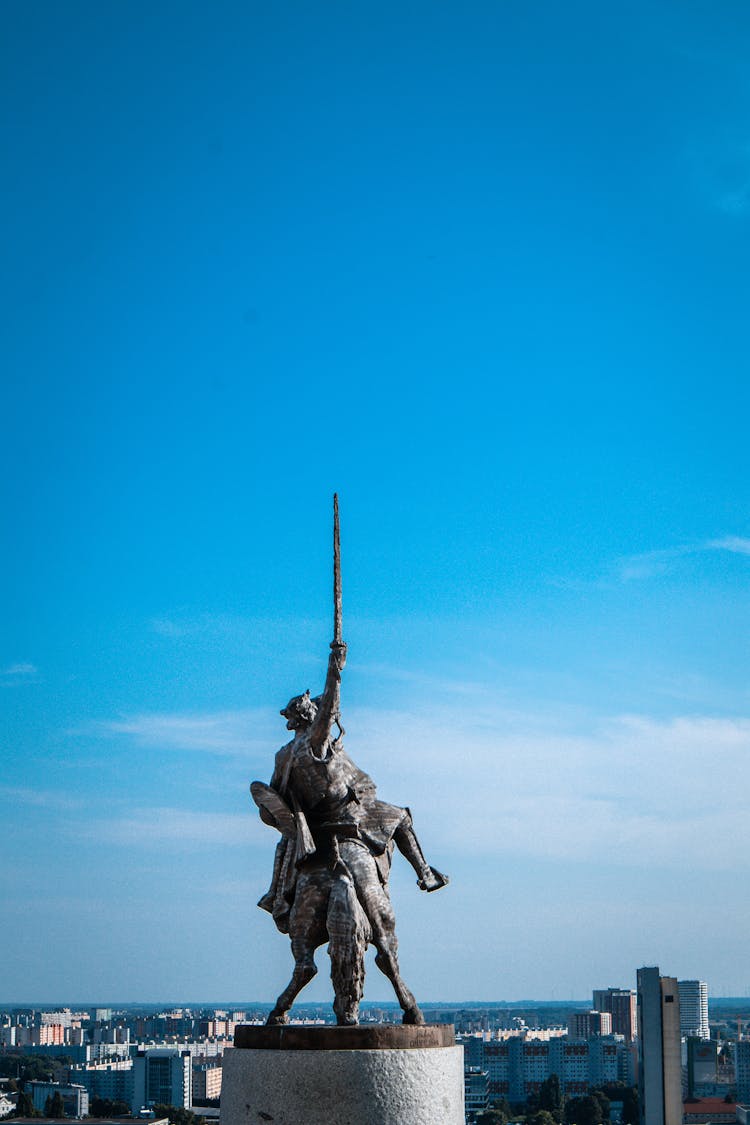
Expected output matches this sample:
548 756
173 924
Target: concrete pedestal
314 1075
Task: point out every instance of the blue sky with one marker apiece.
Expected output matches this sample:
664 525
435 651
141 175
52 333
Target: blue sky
483 269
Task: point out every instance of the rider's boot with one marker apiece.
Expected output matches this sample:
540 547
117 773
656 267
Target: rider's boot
428 878
266 903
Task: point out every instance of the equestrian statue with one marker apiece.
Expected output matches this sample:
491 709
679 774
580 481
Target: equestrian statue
332 863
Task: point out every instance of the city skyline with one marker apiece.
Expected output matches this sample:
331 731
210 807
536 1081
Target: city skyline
484 274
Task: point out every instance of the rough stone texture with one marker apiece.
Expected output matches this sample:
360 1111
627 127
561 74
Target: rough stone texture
373 1037
418 1086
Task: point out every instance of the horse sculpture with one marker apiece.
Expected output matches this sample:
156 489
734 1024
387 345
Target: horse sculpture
327 907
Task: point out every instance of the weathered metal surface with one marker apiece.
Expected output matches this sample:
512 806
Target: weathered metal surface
331 869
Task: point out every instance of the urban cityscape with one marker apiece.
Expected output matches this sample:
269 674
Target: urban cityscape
662 1053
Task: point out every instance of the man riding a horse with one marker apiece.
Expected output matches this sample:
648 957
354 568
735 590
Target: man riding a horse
330 874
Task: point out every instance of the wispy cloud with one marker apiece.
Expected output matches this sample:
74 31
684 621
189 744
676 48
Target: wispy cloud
241 732
736 202
20 673
734 543
628 790
488 780
43 798
652 564
185 829
721 172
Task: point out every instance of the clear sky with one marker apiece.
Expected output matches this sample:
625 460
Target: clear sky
481 267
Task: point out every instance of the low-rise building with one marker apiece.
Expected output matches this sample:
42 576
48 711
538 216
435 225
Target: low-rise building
75 1097
709 1111
476 1091
517 1066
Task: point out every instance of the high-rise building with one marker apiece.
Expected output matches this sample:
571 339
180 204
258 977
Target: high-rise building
207 1075
660 1069
162 1076
112 1080
621 1005
694 1008
702 1057
742 1071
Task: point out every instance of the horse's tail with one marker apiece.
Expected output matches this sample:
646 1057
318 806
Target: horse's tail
348 937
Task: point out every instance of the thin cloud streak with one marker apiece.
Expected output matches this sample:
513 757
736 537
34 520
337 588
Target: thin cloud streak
20 673
629 791
734 543
182 828
652 564
43 798
240 732
494 781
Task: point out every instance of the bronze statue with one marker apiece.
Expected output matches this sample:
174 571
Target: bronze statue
330 874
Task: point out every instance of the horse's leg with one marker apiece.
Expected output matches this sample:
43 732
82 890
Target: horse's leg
307 932
348 934
386 959
377 906
305 969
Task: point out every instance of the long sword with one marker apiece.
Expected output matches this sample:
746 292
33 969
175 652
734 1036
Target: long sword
336 572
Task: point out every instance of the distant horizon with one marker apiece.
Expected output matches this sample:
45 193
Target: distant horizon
238 1005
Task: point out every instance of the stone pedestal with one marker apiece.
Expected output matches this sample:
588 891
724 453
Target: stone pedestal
313 1075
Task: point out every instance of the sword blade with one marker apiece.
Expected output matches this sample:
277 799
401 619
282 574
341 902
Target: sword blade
336 571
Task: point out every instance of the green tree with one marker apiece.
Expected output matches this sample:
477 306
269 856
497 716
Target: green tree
541 1117
631 1109
54 1105
551 1097
504 1106
25 1106
105 1107
584 1111
603 1101
532 1103
491 1117
24 1067
178 1115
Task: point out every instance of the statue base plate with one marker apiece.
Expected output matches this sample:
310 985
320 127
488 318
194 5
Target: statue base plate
380 1074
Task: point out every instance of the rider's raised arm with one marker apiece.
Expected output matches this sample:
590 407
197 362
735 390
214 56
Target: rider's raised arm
329 702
